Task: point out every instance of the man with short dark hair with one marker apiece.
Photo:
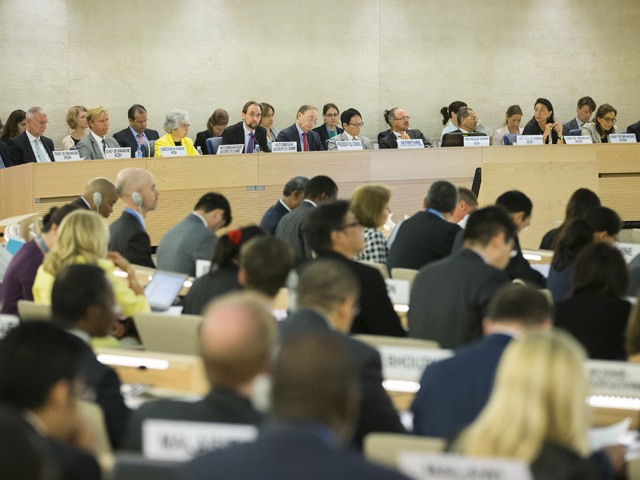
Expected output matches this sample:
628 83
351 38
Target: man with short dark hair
194 237
99 195
292 196
429 234
352 123
333 233
137 135
83 302
319 190
248 132
398 120
31 146
449 297
585 108
302 132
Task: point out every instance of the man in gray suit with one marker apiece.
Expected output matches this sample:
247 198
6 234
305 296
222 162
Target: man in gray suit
194 237
320 189
92 146
352 124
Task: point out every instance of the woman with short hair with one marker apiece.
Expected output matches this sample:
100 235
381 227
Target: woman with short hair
370 205
176 124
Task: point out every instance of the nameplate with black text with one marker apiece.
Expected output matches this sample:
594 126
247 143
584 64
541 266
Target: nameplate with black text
614 378
433 466
398 291
622 138
231 149
408 363
577 139
473 141
529 140
119 153
349 145
173 151
281 147
410 143
66 156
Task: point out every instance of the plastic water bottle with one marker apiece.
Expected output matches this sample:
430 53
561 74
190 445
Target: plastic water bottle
139 152
199 150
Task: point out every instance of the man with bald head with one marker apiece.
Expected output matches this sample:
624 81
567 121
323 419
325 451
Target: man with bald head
99 196
31 146
137 189
236 341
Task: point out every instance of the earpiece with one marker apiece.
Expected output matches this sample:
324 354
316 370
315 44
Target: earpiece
97 200
136 198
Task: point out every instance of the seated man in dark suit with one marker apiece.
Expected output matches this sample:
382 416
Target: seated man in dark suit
137 135
292 196
82 301
333 233
454 391
99 195
634 128
428 235
301 132
319 190
449 297
137 189
248 132
467 124
315 398
32 145
194 237
326 299
40 376
585 108
5 159
399 121
236 340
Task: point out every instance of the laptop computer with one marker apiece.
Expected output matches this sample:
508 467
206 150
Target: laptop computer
163 289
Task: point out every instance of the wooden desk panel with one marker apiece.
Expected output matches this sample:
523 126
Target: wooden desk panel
429 164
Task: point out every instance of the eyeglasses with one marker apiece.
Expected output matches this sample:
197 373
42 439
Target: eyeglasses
333 115
349 225
361 124
609 120
406 117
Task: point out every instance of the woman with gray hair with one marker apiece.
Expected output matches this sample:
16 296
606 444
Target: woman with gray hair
176 124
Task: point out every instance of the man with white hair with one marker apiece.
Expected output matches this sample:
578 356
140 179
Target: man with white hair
31 146
137 189
93 146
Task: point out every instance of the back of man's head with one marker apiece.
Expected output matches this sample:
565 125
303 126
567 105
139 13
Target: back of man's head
321 222
321 189
82 297
236 339
314 380
485 223
130 180
214 201
468 196
520 305
442 196
265 263
34 357
296 184
515 201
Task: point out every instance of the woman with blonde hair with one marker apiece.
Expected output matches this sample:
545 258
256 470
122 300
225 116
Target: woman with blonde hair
537 412
83 237
370 205
77 121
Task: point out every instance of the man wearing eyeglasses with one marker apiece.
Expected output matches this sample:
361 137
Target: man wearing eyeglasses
301 132
398 119
352 123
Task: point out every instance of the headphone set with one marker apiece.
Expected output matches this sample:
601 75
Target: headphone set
97 200
136 198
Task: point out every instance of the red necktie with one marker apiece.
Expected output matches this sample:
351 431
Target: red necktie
305 144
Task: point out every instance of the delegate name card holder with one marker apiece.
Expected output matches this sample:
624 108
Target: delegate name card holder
577 139
117 153
173 151
7 322
182 440
284 147
613 378
230 149
347 145
202 267
408 363
622 138
66 156
529 140
410 143
445 466
398 291
476 141
629 250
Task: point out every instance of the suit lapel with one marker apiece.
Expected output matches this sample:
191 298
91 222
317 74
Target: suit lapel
96 147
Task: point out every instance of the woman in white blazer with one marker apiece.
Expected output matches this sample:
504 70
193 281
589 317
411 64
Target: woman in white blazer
602 125
511 125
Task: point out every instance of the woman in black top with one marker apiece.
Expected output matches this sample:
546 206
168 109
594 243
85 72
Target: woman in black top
543 123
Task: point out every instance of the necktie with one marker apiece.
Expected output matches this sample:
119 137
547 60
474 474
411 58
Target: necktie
140 139
104 146
250 145
305 144
39 156
2 165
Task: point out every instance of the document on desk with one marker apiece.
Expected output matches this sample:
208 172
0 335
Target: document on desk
611 435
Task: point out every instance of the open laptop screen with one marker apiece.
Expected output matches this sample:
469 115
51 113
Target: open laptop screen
163 289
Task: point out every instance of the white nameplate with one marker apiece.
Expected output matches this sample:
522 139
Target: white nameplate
629 250
66 156
230 149
577 139
476 141
119 153
179 440
398 291
348 144
173 151
432 466
614 378
284 147
7 322
202 267
529 140
622 138
410 143
408 363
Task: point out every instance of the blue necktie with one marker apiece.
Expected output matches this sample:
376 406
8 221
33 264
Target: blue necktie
250 145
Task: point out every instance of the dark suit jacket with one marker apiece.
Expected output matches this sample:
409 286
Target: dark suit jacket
20 150
421 239
220 405
391 141
449 298
572 125
286 450
324 135
75 464
377 316
377 413
634 128
272 217
126 139
555 462
453 391
290 228
290 134
80 203
131 240
4 155
456 137
234 135
201 141
209 286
